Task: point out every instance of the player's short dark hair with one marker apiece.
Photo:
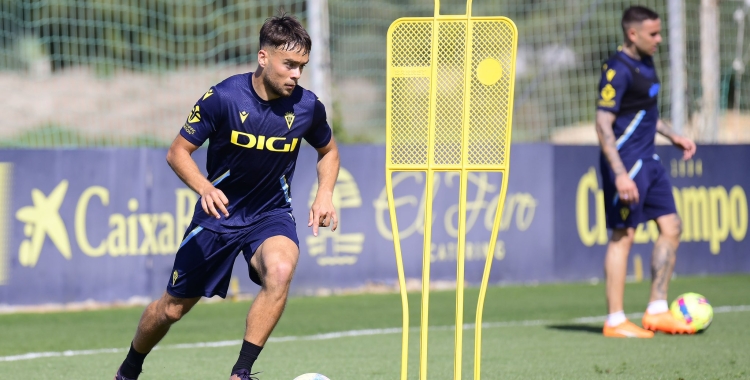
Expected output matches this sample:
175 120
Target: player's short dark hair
285 32
636 15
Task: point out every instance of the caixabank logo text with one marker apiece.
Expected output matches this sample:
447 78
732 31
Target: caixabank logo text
128 233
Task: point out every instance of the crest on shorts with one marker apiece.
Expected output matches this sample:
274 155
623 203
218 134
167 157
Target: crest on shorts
289 117
624 213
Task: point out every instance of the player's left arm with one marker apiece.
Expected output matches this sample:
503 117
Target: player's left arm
687 145
322 211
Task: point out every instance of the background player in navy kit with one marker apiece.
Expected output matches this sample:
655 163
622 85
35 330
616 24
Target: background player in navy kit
636 187
254 123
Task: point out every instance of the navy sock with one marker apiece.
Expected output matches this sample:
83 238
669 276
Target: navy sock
133 364
248 354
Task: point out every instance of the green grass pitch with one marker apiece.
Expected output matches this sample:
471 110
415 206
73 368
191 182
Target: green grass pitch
535 332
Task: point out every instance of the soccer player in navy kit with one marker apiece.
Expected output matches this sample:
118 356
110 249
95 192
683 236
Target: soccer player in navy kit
636 186
255 123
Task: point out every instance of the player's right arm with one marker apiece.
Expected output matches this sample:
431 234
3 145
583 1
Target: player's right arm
179 158
612 86
199 126
323 213
626 187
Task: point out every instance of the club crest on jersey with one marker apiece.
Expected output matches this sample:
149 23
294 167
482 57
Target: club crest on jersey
195 115
289 117
243 116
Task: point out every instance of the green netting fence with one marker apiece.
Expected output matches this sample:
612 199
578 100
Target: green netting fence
126 73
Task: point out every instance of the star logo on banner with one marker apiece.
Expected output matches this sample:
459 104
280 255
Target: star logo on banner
43 220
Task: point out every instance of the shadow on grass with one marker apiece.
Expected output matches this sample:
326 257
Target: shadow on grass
577 328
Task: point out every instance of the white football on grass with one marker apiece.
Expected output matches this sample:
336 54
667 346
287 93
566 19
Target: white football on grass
311 376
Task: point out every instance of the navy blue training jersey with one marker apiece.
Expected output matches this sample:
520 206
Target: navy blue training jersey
253 147
629 88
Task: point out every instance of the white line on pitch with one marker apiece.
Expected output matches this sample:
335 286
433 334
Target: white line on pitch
336 335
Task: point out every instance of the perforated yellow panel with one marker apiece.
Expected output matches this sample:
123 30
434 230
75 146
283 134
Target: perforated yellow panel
426 118
410 126
449 105
409 94
491 104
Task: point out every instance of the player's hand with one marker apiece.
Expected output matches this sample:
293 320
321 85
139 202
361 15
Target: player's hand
214 201
322 214
627 189
688 146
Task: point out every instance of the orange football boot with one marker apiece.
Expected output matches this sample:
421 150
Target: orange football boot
626 329
666 323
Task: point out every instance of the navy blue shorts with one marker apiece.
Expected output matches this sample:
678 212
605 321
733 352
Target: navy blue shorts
203 264
654 192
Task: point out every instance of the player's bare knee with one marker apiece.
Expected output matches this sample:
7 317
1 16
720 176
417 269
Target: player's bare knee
677 227
172 309
623 236
278 275
174 312
671 227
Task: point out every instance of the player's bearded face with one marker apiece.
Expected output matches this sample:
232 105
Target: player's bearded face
283 69
648 37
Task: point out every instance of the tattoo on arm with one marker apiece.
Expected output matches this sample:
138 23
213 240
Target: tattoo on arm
662 266
608 142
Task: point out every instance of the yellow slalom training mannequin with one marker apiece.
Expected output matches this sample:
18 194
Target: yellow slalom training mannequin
449 108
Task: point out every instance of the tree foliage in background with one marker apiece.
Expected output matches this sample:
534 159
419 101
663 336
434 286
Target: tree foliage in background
562 45
140 34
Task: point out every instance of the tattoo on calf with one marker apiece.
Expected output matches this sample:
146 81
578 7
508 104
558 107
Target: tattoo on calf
661 268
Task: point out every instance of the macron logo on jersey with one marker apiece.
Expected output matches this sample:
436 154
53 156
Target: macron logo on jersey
273 144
